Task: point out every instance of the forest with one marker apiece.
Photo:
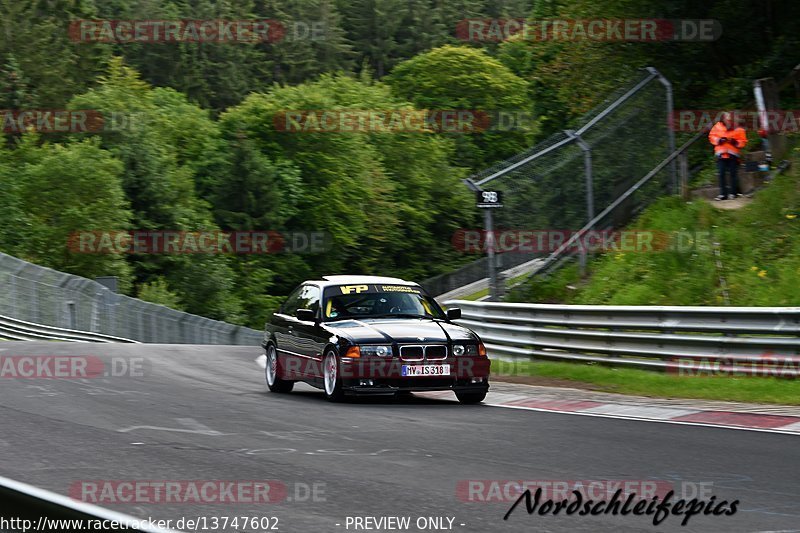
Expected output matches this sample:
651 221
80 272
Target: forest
191 137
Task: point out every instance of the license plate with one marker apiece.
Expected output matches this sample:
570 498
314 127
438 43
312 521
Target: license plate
425 370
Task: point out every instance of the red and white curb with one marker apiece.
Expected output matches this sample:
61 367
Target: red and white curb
642 412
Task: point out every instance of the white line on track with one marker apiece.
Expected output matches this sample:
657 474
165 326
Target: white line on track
193 427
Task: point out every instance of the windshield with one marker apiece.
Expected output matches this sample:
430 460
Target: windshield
379 301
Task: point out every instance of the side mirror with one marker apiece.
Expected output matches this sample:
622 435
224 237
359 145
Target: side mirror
306 315
454 313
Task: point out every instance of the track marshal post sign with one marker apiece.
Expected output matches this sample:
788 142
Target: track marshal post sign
489 200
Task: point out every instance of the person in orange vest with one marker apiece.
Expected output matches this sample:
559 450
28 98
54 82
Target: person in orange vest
728 140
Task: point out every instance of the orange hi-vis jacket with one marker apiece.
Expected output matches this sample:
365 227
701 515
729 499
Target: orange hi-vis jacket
726 150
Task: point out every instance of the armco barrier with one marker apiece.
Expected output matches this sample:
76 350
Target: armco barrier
12 329
747 339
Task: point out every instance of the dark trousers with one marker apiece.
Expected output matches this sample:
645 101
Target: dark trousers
728 165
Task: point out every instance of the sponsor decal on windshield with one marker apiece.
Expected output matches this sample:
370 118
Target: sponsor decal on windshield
358 289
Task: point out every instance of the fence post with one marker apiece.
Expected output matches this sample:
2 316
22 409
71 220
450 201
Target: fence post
670 127
796 79
490 255
488 226
589 177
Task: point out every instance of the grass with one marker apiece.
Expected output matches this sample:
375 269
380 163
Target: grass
759 247
476 295
485 292
653 384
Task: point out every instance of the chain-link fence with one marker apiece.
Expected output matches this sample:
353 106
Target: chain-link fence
471 272
561 184
44 296
564 181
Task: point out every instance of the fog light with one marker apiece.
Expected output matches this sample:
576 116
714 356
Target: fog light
477 380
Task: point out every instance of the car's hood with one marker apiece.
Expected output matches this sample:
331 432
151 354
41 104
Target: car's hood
404 331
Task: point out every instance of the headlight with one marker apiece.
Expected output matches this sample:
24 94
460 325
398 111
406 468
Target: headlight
380 351
465 349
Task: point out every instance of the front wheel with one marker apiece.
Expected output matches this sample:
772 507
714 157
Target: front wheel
331 378
471 397
274 383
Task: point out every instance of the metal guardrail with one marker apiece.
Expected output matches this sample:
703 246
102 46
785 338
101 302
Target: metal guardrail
12 329
746 340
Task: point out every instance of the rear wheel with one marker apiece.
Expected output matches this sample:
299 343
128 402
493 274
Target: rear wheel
274 383
331 378
471 397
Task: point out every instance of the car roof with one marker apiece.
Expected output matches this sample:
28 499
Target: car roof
352 280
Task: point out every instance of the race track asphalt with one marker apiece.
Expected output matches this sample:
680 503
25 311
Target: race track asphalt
203 413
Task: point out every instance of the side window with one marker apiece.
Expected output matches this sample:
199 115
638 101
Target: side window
292 303
309 298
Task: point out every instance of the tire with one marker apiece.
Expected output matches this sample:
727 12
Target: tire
470 397
274 383
331 379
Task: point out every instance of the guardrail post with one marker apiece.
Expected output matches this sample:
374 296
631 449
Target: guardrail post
95 320
72 319
35 300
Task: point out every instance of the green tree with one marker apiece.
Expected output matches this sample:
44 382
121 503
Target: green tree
378 195
372 27
15 88
158 292
163 147
65 189
569 78
462 78
37 34
215 75
313 40
14 221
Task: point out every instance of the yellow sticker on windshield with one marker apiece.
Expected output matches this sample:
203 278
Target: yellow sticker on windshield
348 289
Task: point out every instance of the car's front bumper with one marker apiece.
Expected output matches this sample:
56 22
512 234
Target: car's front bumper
379 376
388 389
